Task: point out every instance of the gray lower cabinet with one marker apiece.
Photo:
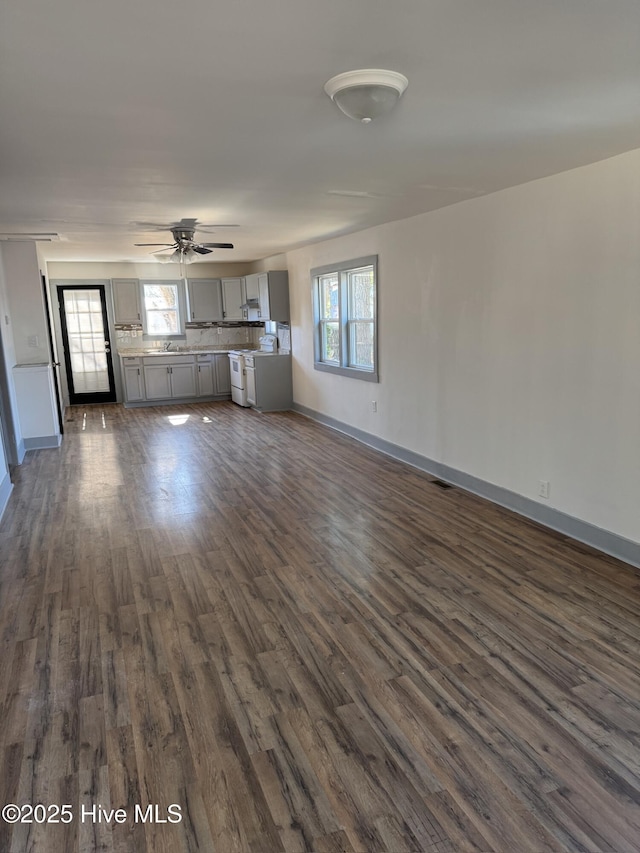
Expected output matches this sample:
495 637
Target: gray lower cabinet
214 376
175 377
169 377
222 374
183 380
133 380
205 376
156 380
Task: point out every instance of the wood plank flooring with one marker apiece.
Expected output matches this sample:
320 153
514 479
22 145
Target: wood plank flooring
304 645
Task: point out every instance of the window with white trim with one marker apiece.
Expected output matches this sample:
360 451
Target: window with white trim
345 315
161 308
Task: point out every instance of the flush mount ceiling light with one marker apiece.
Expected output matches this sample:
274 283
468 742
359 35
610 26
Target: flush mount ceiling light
366 94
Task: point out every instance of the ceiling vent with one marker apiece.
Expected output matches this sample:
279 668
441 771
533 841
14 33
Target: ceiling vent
30 236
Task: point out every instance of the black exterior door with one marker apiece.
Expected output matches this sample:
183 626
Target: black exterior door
87 348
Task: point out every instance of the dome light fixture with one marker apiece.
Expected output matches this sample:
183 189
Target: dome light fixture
366 94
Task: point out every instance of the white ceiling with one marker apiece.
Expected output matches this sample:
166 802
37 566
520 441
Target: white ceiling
133 111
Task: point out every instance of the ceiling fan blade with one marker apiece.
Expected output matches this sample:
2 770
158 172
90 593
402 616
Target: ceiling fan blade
201 250
153 244
218 245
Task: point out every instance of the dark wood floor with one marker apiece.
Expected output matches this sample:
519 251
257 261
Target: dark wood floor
305 646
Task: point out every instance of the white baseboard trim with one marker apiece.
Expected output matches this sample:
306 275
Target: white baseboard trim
603 540
6 487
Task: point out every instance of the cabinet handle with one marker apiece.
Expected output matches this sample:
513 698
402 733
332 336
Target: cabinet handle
138 371
193 315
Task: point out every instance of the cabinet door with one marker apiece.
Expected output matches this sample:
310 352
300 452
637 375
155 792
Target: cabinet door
251 386
223 374
263 296
205 379
157 382
205 299
183 380
126 300
274 295
133 384
233 296
251 286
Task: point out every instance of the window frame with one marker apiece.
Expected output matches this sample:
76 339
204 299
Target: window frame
346 323
178 284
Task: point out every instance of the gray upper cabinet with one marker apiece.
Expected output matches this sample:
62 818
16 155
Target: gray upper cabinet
233 298
126 301
205 300
251 287
273 295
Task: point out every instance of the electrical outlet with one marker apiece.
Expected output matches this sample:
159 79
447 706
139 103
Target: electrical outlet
374 406
32 341
543 489
219 330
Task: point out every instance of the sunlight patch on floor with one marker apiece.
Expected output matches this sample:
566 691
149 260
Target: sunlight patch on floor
177 420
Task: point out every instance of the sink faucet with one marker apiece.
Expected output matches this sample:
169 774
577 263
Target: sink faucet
166 346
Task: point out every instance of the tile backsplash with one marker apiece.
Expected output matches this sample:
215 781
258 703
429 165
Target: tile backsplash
222 335
211 336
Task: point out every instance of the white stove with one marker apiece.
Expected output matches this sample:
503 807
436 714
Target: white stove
238 367
262 377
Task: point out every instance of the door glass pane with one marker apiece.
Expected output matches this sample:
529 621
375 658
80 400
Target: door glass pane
87 350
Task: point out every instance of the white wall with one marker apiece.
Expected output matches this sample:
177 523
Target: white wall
12 433
274 262
26 302
7 394
509 339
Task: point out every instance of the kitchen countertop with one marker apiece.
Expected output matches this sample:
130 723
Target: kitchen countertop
202 350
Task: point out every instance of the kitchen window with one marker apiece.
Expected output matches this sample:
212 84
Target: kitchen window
345 314
161 304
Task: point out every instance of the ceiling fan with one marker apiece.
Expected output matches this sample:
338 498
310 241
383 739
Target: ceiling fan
184 248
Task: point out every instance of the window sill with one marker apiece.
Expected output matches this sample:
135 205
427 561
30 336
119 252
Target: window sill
351 372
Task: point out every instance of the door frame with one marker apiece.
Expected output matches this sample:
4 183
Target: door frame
55 364
110 396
